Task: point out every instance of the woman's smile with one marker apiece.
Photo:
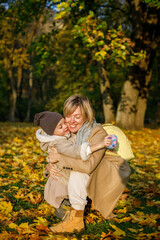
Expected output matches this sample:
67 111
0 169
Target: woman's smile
75 121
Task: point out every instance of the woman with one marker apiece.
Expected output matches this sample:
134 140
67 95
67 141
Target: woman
102 177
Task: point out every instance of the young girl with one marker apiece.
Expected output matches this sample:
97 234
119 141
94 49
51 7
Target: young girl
54 133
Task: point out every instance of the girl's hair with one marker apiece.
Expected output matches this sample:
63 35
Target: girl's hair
75 101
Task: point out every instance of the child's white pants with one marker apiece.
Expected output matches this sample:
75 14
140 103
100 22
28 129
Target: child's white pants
77 190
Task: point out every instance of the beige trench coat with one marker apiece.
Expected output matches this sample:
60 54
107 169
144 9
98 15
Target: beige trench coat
108 174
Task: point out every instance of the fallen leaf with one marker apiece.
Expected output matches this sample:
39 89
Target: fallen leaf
118 231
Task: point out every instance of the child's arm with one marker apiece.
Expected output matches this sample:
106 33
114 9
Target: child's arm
109 142
105 143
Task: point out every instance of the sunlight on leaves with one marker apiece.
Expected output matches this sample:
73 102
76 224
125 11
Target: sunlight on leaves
25 214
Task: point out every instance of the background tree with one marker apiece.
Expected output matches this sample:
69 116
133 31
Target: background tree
19 25
103 42
145 25
91 47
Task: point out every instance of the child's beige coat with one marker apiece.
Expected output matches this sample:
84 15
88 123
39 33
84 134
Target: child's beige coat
56 191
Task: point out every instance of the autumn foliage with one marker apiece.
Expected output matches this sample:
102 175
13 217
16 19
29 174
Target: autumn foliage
25 215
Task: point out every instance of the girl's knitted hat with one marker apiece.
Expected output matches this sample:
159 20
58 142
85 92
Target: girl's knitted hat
47 121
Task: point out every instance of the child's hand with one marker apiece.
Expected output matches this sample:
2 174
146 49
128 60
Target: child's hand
107 141
113 141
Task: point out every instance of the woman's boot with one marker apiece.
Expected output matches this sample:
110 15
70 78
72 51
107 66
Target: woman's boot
72 221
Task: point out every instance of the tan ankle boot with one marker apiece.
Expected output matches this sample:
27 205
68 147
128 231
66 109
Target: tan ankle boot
72 221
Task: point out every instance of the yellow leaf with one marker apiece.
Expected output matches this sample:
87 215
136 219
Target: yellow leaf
25 229
80 7
14 187
19 195
158 175
122 210
118 231
133 230
17 140
43 206
100 34
12 225
95 32
123 47
24 225
6 207
125 219
93 216
41 220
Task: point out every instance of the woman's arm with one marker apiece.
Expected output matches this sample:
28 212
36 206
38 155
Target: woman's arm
76 164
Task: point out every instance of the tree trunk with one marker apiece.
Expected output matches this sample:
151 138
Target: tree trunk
30 85
13 103
146 35
142 101
19 77
132 107
158 96
106 97
13 94
126 110
140 114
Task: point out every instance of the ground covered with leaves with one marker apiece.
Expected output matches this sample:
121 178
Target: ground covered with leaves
25 215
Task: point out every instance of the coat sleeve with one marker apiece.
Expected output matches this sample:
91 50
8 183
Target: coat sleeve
88 166
70 149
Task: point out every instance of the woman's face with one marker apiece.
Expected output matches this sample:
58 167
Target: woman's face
75 121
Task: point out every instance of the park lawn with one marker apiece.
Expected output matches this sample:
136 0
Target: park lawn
25 215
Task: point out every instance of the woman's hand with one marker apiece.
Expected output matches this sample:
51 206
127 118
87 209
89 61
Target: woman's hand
53 156
52 171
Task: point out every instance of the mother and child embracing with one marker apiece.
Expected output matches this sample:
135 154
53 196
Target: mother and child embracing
80 163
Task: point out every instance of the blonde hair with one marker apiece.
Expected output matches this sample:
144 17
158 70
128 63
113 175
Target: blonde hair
74 101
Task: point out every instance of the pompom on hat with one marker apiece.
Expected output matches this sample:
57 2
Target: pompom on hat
47 121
